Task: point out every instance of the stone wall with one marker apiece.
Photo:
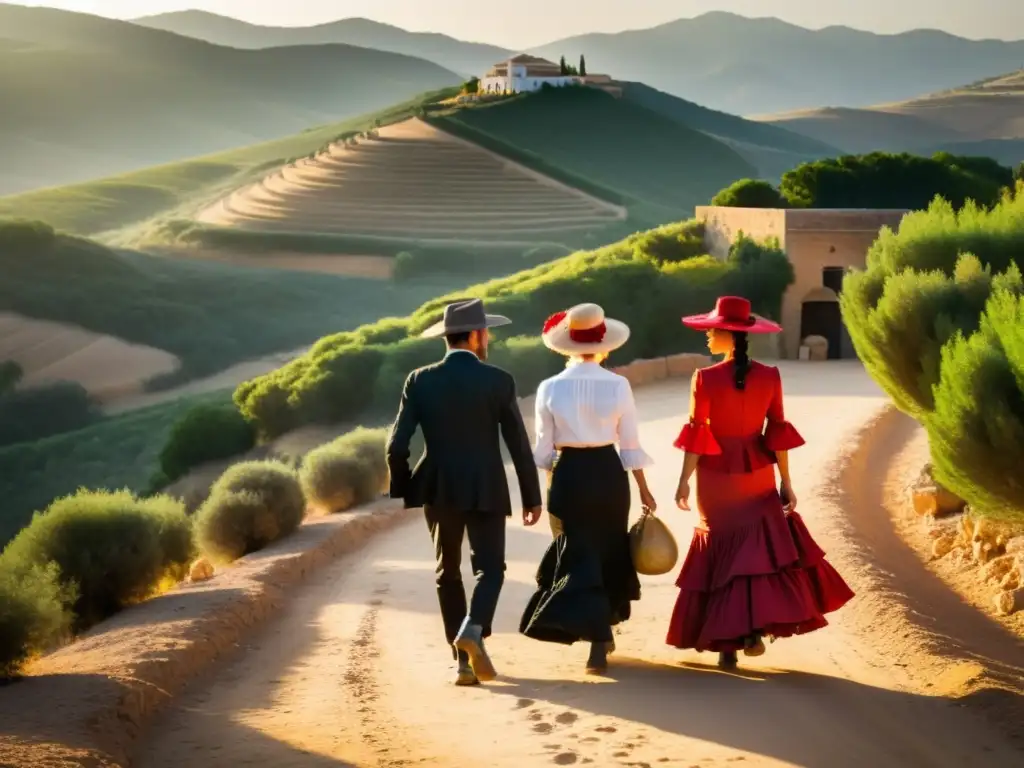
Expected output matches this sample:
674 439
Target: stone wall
813 239
724 225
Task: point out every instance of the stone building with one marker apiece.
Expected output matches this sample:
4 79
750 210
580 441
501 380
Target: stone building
822 246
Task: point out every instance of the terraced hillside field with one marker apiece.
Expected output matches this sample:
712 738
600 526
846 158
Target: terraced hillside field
412 181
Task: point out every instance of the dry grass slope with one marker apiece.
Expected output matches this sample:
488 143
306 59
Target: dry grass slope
411 181
986 117
105 366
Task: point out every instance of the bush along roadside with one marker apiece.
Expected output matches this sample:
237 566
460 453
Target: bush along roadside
253 504
937 317
86 557
91 554
346 472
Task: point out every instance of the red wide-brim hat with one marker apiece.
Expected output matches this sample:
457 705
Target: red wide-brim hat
731 313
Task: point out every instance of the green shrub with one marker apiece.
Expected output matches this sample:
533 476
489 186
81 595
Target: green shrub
750 193
337 386
32 414
884 180
207 432
976 432
671 243
32 614
111 548
900 337
346 472
251 505
919 289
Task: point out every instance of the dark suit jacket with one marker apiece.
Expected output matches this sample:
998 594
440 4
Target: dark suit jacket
461 404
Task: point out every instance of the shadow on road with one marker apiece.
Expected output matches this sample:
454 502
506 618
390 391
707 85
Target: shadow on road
770 713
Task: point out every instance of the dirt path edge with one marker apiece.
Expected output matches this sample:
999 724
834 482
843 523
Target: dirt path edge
87 703
940 644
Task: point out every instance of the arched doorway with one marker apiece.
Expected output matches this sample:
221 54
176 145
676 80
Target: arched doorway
820 316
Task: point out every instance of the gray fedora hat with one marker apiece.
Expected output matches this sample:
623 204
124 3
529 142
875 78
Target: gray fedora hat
462 317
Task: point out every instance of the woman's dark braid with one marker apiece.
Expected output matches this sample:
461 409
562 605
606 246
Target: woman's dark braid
741 359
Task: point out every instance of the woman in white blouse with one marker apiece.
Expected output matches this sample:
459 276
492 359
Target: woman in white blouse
586 580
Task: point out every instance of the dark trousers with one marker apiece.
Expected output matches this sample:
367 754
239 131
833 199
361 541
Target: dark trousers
486 531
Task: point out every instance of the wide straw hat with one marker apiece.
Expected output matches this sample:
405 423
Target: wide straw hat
731 313
584 330
462 317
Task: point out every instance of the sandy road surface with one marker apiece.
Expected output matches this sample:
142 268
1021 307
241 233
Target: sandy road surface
356 672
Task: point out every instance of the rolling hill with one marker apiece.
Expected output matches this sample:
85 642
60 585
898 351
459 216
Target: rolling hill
984 118
657 166
772 150
465 58
114 203
122 204
410 180
85 97
757 66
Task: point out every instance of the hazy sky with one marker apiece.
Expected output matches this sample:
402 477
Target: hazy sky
522 23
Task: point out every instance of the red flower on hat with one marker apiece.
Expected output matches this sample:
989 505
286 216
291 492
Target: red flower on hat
553 321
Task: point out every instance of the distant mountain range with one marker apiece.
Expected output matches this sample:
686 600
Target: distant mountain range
721 60
462 57
985 118
83 96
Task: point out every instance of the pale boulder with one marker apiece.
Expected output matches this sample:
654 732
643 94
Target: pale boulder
988 541
817 347
997 568
1014 579
1009 602
943 545
931 499
201 570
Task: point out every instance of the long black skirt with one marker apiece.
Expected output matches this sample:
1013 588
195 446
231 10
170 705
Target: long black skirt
586 579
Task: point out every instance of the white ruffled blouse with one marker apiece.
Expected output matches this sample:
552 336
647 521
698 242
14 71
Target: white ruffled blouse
587 406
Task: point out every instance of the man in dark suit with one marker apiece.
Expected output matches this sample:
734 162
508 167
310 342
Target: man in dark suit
462 405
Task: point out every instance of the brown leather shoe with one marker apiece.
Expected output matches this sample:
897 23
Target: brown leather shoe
754 646
470 640
466 676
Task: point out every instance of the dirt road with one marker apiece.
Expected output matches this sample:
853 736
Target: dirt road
356 673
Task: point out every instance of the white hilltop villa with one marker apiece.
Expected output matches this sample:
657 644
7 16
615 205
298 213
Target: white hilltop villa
525 73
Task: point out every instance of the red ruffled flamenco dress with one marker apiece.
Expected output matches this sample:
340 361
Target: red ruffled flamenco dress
752 569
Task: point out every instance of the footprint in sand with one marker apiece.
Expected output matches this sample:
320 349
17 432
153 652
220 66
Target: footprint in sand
535 716
567 718
606 729
543 728
565 758
524 703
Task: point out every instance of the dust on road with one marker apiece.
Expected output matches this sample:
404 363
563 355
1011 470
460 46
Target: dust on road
355 672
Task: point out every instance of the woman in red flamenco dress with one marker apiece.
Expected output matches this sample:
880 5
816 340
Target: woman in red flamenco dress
753 569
